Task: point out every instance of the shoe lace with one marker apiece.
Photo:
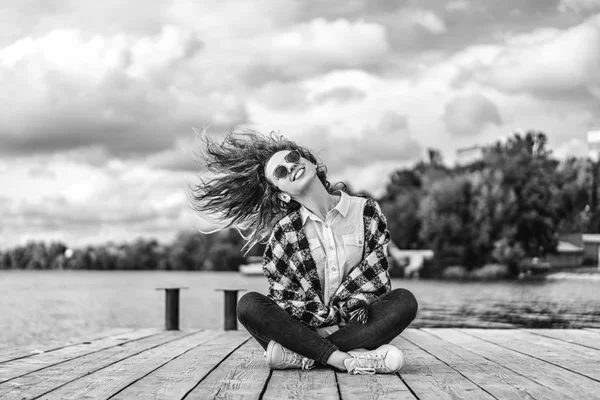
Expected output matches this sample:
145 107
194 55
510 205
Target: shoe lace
367 364
297 359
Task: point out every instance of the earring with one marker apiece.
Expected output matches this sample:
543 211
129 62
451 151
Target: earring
286 198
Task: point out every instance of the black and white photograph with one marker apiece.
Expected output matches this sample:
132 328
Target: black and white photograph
300 199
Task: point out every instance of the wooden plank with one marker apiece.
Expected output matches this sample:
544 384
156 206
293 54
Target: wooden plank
176 378
47 379
109 381
241 376
575 358
10 354
15 368
570 384
318 384
431 379
376 387
575 336
501 382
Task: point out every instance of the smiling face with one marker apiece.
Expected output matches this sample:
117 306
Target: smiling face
299 175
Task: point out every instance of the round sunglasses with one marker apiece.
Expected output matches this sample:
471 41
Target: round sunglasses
281 171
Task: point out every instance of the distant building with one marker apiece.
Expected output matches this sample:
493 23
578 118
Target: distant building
593 139
591 244
469 155
567 255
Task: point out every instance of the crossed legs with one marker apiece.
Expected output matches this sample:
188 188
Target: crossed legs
266 321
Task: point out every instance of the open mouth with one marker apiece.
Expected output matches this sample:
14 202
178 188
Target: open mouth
298 173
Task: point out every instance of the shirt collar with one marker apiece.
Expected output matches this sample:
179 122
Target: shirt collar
342 207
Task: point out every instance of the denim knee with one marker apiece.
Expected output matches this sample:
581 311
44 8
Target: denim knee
407 302
246 306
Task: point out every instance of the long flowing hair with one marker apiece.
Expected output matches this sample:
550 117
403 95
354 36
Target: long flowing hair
237 192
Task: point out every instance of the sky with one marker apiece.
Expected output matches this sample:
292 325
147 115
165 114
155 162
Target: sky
99 100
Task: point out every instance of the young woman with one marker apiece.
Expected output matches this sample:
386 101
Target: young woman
330 299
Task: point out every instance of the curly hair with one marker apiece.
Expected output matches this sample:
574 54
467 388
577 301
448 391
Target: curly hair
238 190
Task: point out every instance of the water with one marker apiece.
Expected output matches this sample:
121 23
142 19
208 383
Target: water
38 307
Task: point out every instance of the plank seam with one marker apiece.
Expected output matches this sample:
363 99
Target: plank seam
408 386
108 365
491 360
563 340
529 355
215 367
337 384
61 347
449 366
264 389
162 365
75 358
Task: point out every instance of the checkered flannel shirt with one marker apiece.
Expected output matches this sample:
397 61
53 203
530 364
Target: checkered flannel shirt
292 273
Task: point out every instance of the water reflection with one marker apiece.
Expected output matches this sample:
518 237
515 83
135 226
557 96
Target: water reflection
543 304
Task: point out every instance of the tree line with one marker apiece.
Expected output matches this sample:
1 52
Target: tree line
511 203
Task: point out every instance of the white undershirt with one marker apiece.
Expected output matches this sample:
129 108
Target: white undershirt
336 244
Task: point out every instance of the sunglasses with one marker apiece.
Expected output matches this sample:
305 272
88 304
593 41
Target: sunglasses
281 171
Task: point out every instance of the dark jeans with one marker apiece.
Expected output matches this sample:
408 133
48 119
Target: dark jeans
266 321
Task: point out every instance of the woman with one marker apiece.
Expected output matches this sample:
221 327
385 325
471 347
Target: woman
330 299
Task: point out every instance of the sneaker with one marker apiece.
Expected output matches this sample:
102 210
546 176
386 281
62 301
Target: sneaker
278 357
386 359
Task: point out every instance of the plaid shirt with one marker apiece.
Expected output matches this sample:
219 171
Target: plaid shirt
294 283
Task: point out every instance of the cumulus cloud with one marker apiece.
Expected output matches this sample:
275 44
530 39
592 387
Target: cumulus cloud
80 201
386 139
468 115
546 61
457 5
320 45
340 95
69 89
428 20
574 147
579 6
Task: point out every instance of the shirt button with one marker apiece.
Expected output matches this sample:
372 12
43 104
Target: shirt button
326 226
330 247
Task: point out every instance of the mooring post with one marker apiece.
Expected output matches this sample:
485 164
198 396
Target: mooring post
231 299
172 307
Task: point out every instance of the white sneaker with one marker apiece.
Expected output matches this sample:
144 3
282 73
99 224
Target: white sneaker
386 359
278 357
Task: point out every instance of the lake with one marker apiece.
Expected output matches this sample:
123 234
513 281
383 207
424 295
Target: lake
38 307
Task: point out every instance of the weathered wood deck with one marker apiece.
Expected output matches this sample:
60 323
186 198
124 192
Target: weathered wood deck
206 364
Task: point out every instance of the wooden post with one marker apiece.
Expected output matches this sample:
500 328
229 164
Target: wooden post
230 314
171 307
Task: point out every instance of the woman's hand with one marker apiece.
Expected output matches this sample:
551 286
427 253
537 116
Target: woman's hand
360 314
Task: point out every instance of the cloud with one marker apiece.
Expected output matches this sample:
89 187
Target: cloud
121 201
428 20
282 95
574 147
457 5
320 45
546 61
340 95
578 6
69 89
387 139
468 115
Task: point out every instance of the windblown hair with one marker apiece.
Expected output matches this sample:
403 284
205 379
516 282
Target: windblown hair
238 191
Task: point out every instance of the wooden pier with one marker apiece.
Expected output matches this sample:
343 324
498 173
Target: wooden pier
209 364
